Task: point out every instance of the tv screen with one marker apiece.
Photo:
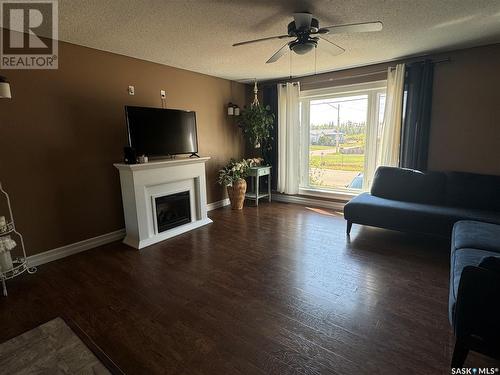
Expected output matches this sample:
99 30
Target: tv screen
161 132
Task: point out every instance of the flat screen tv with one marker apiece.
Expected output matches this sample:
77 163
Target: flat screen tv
161 132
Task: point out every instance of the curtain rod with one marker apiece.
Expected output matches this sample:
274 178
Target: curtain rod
375 72
423 60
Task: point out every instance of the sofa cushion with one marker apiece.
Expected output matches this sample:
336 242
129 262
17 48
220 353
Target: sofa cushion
472 190
409 185
411 217
459 260
477 235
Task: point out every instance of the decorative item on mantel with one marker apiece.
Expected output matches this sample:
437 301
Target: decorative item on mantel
256 123
232 176
13 260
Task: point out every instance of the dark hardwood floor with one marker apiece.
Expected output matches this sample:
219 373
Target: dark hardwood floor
276 289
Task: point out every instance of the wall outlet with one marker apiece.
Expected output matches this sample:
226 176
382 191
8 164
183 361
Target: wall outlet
163 94
131 90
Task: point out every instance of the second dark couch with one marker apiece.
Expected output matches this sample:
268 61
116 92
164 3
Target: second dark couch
475 289
412 201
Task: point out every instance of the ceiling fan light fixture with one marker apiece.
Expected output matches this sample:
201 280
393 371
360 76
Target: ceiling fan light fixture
306 31
301 48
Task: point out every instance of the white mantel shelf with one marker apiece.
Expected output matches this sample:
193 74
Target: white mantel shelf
161 163
142 184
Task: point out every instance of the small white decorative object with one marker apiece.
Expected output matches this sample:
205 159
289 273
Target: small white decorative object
143 159
6 245
236 111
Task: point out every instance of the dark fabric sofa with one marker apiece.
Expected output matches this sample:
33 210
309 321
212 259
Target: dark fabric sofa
474 296
412 201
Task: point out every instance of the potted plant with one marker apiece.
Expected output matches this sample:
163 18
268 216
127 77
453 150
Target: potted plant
232 176
256 122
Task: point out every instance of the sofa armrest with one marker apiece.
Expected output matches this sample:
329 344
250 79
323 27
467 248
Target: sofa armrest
477 306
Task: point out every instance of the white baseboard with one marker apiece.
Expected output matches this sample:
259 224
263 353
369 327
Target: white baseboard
218 204
306 201
75 248
78 247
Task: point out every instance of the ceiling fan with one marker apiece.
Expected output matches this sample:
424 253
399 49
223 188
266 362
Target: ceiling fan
305 31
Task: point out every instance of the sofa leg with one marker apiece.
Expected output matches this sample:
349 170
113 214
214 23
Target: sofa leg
459 354
349 226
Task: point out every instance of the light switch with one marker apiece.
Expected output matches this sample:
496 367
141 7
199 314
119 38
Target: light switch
131 90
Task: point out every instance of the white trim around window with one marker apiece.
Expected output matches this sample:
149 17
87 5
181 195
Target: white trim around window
373 90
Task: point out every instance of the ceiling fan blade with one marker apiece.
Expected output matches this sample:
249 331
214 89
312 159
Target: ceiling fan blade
302 20
261 40
364 27
332 48
278 54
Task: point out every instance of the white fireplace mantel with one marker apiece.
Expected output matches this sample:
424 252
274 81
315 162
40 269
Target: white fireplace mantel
142 183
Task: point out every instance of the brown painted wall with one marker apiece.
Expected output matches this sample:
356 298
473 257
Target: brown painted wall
63 130
465 132
465 129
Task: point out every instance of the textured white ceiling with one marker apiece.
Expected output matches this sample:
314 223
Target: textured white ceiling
197 35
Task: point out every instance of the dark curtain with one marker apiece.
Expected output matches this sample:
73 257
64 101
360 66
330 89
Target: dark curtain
417 115
270 98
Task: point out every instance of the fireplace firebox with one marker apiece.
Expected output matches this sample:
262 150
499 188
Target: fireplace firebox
172 211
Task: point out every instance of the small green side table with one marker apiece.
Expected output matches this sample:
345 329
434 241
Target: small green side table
255 173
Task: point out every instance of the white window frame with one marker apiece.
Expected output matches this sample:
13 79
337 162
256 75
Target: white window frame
373 90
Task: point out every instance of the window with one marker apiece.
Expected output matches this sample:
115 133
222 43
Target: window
340 132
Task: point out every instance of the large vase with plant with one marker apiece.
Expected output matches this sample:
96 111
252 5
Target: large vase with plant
233 177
